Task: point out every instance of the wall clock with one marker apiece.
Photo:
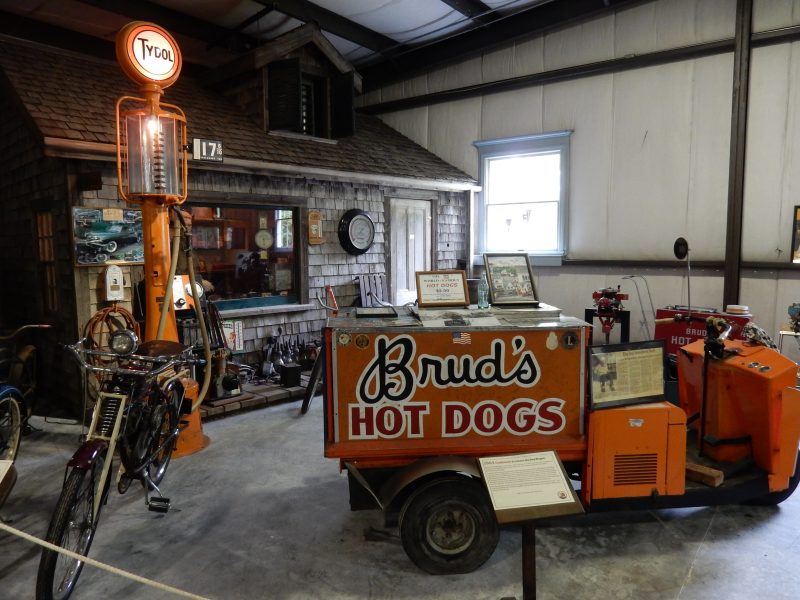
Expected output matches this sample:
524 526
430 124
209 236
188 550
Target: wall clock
356 231
264 239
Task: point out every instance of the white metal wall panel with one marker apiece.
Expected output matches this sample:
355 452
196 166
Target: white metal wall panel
584 105
455 76
412 123
587 42
651 157
452 128
771 134
704 224
672 23
511 113
773 14
498 64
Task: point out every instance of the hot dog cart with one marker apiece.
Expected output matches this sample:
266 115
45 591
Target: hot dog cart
413 397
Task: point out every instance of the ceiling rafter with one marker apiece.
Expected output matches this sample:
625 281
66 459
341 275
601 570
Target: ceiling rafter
476 10
336 24
176 22
499 32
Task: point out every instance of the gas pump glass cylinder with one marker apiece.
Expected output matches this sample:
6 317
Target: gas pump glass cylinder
153 149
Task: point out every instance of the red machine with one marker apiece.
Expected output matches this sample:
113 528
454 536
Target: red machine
411 404
608 304
677 333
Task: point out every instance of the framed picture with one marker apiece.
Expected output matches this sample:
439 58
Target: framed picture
625 374
796 235
442 288
510 278
107 235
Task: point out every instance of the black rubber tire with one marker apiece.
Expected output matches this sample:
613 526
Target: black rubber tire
10 426
775 498
72 528
448 526
167 414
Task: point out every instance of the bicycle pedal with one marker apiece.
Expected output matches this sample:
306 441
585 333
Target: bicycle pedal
158 504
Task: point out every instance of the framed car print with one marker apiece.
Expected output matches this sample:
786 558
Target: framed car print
107 235
510 278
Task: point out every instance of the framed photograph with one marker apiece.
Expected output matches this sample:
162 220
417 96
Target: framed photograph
107 235
796 235
510 278
625 374
442 288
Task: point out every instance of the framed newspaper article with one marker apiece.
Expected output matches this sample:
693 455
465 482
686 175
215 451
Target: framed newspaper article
625 374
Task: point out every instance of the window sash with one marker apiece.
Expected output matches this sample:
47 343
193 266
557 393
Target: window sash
533 152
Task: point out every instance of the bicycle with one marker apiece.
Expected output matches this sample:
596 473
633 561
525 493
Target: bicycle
139 405
18 369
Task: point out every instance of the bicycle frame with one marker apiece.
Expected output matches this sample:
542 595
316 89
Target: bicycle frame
105 428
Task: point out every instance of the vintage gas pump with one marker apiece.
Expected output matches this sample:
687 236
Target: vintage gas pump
152 172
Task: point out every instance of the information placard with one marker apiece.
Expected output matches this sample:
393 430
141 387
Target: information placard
528 486
442 288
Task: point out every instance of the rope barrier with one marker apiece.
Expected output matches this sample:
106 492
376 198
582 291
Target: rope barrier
99 565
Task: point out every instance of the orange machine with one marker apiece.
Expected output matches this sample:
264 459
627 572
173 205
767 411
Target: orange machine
751 408
637 451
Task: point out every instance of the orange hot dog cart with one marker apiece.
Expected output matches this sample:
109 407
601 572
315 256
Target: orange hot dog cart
415 397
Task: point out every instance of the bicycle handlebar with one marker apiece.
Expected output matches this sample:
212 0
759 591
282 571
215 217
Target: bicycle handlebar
18 330
80 352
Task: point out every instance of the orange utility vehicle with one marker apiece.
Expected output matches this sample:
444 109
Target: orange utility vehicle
413 400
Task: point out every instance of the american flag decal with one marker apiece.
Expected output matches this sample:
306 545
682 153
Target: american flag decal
462 337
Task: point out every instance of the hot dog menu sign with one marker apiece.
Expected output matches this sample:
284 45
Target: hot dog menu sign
454 385
148 54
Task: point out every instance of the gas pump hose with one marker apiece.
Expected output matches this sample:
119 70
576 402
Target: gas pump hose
201 321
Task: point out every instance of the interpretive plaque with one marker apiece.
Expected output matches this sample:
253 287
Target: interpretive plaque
529 486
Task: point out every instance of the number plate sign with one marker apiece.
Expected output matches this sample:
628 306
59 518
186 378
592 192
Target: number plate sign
208 150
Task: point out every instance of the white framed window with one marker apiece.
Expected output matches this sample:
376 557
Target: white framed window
522 206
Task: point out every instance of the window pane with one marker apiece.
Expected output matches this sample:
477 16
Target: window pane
246 252
531 178
531 227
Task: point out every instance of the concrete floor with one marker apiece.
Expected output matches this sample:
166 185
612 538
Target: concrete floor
261 514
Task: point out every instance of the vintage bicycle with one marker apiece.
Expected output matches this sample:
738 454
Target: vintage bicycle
137 415
17 387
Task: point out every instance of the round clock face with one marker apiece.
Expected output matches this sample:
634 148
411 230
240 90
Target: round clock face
264 239
356 231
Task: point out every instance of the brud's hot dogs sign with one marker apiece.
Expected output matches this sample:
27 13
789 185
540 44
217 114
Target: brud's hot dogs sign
452 386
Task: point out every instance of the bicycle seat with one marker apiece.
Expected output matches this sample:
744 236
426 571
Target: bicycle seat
161 348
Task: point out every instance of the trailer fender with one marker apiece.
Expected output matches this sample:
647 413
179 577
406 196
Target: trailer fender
85 456
399 485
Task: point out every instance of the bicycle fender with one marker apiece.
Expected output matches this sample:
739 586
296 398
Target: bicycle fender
9 390
86 455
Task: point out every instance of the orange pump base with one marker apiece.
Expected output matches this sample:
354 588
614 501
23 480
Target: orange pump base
191 438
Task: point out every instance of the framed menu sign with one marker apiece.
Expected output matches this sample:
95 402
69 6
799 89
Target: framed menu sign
442 288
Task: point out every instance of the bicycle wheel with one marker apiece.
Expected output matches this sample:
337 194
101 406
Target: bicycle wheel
10 426
72 527
165 421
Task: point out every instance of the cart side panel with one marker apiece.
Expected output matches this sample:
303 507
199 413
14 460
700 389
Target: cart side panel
402 392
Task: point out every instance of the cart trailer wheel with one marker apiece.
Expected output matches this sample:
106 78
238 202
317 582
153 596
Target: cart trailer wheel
448 526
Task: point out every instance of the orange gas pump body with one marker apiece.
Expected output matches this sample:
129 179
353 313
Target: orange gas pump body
752 408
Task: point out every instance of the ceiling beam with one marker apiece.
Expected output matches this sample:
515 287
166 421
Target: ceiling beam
500 32
476 10
268 8
176 22
43 33
309 12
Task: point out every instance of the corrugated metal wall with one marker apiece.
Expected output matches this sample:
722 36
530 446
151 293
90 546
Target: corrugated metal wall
650 149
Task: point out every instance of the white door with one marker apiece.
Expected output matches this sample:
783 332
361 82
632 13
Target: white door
410 235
